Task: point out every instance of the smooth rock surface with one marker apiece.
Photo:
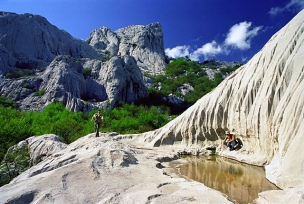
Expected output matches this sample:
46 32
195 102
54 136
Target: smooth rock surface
261 103
106 169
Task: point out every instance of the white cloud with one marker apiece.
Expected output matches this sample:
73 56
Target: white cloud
275 10
179 51
207 50
240 35
293 4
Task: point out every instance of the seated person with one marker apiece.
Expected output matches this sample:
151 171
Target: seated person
229 141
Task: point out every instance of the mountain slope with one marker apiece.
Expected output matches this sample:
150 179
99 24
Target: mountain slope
37 57
262 103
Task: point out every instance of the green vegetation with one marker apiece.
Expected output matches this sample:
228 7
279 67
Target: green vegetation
107 56
183 71
16 161
86 72
19 73
55 118
40 92
229 69
26 85
7 103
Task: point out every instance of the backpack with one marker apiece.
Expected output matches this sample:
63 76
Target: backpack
239 144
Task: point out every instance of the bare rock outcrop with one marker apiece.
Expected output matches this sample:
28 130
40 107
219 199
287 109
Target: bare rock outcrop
40 64
29 41
119 79
41 147
262 103
105 169
144 43
27 153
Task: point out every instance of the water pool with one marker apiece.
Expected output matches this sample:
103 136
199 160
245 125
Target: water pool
239 181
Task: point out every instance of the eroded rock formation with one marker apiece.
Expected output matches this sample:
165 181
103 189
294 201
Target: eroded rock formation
103 169
40 64
144 43
262 103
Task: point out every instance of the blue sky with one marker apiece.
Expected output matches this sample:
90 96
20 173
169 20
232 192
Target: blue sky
230 30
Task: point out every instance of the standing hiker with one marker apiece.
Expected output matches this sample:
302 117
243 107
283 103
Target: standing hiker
98 119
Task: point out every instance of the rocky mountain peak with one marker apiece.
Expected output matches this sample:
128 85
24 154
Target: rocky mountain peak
37 57
144 43
261 104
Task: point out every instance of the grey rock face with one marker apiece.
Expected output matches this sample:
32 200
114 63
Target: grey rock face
30 41
55 66
119 79
105 41
123 79
44 146
186 88
144 43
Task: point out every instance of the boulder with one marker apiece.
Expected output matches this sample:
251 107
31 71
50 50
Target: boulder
41 147
27 153
184 89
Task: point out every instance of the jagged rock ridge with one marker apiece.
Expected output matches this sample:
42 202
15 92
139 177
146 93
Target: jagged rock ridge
262 103
53 62
144 43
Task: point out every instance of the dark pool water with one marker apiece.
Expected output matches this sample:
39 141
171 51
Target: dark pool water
240 182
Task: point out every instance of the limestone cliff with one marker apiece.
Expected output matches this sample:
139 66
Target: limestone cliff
262 103
40 64
29 42
144 43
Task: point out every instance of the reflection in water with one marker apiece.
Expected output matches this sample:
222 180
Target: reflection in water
240 182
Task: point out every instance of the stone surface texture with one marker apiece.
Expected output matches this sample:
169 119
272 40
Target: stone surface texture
144 43
51 60
105 169
261 103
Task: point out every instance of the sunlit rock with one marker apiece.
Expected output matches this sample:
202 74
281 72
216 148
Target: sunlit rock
261 103
105 169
